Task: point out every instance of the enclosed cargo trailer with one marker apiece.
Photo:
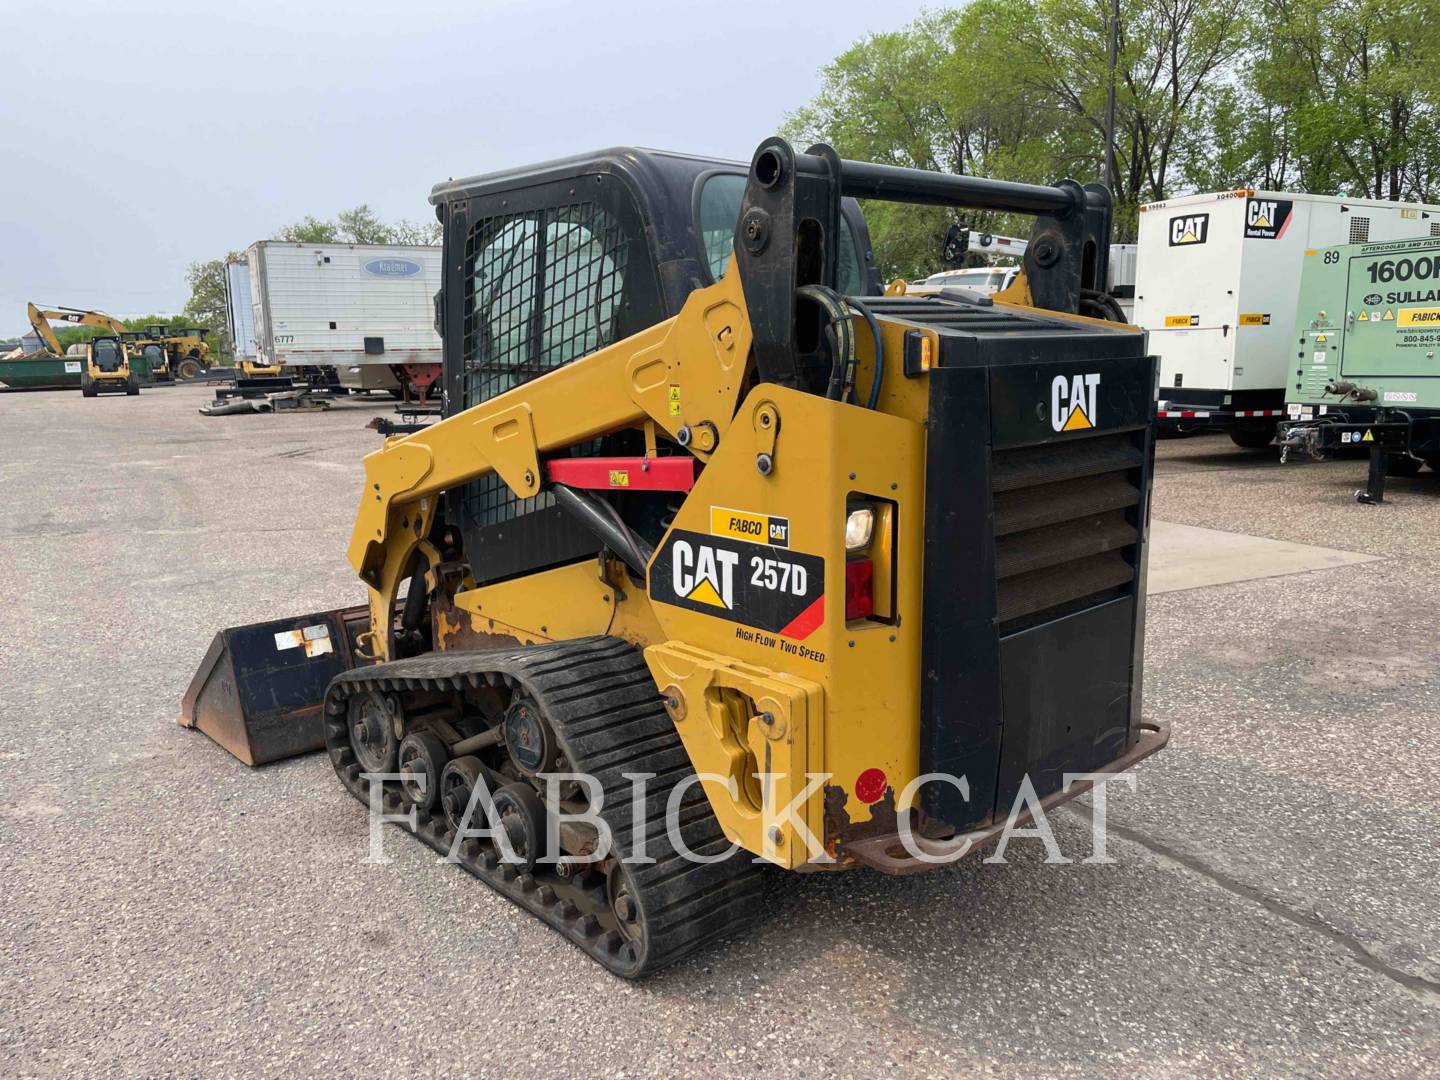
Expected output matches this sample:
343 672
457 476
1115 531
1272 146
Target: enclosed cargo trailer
361 315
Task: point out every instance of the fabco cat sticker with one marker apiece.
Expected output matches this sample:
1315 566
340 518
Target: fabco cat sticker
753 584
744 525
1072 402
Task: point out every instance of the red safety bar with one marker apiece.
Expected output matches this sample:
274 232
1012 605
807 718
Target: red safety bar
624 473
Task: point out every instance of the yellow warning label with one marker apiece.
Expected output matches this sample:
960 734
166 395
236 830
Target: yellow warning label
744 525
1368 437
1420 316
1364 316
674 401
1389 316
1078 421
619 477
1254 319
1182 320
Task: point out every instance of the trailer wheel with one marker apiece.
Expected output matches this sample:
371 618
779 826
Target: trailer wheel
1401 465
1251 437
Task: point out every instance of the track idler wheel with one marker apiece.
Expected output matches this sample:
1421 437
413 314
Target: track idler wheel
375 723
529 740
519 811
457 786
422 758
623 903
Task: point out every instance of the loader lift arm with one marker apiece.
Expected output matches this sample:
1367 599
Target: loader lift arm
704 349
40 319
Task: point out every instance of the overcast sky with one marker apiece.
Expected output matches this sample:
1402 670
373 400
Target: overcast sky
136 138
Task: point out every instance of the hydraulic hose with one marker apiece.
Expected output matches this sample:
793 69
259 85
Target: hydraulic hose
840 333
600 518
879 341
1106 304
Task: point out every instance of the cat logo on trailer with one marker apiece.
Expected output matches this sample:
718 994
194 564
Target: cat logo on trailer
1072 402
1267 219
1189 229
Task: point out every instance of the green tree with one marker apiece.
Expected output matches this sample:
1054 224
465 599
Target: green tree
310 230
1341 97
361 225
1016 89
206 306
406 231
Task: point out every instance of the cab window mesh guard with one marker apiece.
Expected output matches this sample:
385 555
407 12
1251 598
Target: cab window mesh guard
544 289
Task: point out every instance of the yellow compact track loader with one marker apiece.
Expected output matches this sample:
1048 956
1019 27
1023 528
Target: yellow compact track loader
722 555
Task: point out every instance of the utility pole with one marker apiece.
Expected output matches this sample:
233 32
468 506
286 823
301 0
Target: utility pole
1108 168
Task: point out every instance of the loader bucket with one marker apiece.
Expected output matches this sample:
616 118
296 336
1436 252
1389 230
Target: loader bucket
260 690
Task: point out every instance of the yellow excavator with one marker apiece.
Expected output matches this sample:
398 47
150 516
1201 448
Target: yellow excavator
53 367
723 554
40 319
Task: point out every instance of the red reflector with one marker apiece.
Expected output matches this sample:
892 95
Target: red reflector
858 600
870 786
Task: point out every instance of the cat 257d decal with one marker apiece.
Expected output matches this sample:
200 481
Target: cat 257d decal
756 585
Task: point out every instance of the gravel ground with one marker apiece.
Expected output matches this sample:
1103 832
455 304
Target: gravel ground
1272 910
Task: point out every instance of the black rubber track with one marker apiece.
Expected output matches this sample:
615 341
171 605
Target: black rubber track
601 701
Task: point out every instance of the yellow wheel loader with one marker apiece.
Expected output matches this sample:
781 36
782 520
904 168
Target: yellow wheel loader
149 346
107 368
187 351
722 555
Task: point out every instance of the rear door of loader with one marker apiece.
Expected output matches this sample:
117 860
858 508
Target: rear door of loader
1036 503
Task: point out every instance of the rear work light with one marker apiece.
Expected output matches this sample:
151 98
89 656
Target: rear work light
859 525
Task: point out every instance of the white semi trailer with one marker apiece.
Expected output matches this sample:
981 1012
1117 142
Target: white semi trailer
1217 281
239 310
362 315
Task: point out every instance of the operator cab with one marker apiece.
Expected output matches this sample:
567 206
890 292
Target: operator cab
563 259
107 354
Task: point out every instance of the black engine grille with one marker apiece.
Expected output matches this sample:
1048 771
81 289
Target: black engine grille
1066 525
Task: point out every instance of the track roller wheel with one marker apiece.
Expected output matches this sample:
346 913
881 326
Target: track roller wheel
519 811
374 725
587 706
457 784
422 758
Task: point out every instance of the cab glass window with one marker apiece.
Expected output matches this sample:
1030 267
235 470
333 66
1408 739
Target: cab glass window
545 289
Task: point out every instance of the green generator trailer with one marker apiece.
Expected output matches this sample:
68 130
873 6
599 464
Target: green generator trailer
1367 348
